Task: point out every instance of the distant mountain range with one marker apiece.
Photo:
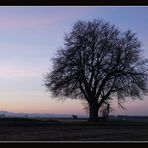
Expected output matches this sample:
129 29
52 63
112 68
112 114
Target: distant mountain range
46 115
36 115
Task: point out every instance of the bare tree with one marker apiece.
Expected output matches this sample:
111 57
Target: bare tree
105 109
98 62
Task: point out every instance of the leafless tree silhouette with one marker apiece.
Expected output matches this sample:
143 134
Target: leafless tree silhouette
98 62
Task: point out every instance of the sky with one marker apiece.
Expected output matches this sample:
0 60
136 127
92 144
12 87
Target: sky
29 38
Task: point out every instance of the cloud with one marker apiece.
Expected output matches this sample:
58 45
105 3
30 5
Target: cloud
24 23
39 18
17 72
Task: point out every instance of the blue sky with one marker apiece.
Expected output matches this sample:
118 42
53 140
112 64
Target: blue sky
30 36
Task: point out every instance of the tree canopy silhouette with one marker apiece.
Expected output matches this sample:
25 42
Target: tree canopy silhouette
98 62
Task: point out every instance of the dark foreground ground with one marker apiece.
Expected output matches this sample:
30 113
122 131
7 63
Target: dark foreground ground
68 130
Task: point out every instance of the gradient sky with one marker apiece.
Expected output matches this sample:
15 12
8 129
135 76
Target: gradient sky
30 36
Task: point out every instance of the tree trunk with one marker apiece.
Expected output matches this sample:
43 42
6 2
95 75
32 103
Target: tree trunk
93 116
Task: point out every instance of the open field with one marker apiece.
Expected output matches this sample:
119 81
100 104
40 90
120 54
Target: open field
68 130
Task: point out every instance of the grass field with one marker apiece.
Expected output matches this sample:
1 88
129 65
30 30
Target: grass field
17 129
